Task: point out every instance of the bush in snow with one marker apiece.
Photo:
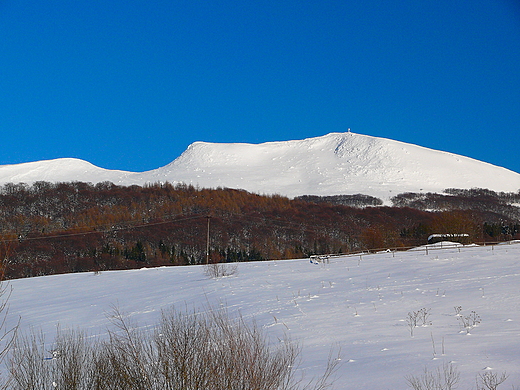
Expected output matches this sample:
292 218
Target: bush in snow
187 350
490 380
219 270
416 318
443 378
7 335
467 322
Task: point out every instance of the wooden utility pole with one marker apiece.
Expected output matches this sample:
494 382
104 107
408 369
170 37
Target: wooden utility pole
207 243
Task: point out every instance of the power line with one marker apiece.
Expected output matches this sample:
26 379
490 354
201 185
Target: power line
96 229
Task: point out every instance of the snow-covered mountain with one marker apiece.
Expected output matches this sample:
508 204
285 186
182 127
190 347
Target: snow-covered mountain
334 164
59 170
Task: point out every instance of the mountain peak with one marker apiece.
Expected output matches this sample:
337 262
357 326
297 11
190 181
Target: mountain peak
332 164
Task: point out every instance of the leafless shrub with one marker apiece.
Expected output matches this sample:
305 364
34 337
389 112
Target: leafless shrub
325 381
490 380
66 365
209 350
219 270
424 316
7 335
28 365
233 354
443 378
416 318
72 359
411 321
467 322
126 360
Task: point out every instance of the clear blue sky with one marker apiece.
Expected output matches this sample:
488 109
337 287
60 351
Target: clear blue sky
130 84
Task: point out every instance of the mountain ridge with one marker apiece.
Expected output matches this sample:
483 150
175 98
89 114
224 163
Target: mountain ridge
333 164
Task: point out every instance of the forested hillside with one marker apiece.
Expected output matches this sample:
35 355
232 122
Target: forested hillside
49 228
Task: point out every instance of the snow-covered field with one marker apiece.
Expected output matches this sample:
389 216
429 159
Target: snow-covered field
359 303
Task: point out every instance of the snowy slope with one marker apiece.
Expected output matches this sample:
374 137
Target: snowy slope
337 163
60 170
359 303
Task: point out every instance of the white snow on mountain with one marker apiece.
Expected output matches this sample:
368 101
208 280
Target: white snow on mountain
334 164
359 303
59 170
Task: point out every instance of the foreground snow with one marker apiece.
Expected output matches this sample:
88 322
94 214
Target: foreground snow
359 303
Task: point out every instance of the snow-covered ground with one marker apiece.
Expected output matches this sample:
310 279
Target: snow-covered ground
359 303
333 164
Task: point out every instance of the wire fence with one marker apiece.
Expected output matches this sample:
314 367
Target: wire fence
426 248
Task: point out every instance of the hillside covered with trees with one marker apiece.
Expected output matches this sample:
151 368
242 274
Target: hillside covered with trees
49 228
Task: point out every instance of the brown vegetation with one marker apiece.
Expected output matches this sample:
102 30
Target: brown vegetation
71 227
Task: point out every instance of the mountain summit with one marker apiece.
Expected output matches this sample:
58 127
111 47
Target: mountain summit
334 164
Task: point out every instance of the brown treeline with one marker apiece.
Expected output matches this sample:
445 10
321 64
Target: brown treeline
49 228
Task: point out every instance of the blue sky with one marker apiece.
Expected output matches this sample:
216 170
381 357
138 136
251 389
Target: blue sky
130 84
